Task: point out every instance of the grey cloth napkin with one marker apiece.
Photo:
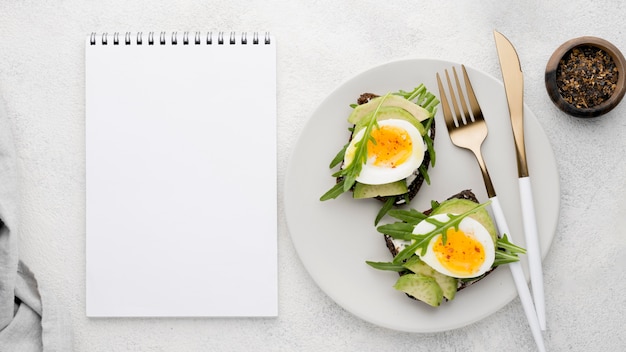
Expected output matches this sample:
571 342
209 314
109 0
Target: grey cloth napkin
30 320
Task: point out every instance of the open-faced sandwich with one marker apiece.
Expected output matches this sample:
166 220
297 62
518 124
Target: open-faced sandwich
389 149
444 249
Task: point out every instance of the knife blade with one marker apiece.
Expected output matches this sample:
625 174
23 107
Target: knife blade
514 89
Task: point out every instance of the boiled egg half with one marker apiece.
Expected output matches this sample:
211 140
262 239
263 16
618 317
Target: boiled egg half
468 252
396 152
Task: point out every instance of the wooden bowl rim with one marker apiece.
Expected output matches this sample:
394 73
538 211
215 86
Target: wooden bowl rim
559 53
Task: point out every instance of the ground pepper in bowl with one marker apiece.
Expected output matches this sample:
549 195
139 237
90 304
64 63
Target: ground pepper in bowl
586 76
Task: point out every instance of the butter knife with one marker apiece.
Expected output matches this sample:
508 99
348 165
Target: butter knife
514 87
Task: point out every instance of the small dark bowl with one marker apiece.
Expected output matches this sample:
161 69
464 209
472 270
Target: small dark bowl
601 108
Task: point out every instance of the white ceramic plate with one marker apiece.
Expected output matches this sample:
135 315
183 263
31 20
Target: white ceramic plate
336 237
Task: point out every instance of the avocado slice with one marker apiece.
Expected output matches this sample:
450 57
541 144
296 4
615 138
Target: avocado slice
391 112
421 287
447 283
459 206
363 110
362 190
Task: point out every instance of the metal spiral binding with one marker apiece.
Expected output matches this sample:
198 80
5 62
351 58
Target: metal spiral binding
162 39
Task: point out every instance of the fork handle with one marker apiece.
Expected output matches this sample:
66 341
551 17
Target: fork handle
519 278
532 248
491 192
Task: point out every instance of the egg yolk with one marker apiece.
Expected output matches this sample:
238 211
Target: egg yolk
392 148
462 254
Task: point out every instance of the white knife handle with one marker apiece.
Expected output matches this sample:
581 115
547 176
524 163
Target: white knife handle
519 278
533 251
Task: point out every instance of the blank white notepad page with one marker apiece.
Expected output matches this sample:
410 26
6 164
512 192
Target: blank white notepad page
181 178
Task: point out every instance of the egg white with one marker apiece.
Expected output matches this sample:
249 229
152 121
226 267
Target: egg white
375 175
471 227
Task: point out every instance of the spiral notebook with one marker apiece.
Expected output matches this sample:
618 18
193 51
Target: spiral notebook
181 174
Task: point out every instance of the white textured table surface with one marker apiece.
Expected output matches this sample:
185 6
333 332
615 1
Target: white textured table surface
319 47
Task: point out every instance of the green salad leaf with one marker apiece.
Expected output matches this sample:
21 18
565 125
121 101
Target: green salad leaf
506 252
387 206
387 266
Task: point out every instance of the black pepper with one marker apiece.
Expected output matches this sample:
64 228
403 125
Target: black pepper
586 76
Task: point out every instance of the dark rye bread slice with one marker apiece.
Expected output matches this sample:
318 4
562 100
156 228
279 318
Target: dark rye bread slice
463 283
416 180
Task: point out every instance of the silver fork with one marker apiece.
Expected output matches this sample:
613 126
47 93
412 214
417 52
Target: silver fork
468 129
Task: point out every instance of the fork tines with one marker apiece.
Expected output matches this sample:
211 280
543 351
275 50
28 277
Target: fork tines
466 127
462 115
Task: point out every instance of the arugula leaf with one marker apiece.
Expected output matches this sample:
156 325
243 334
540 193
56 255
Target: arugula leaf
429 142
505 244
506 252
334 192
389 202
410 216
424 172
402 230
386 266
339 157
422 97
398 230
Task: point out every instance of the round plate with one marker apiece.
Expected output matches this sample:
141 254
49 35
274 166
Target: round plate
334 238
